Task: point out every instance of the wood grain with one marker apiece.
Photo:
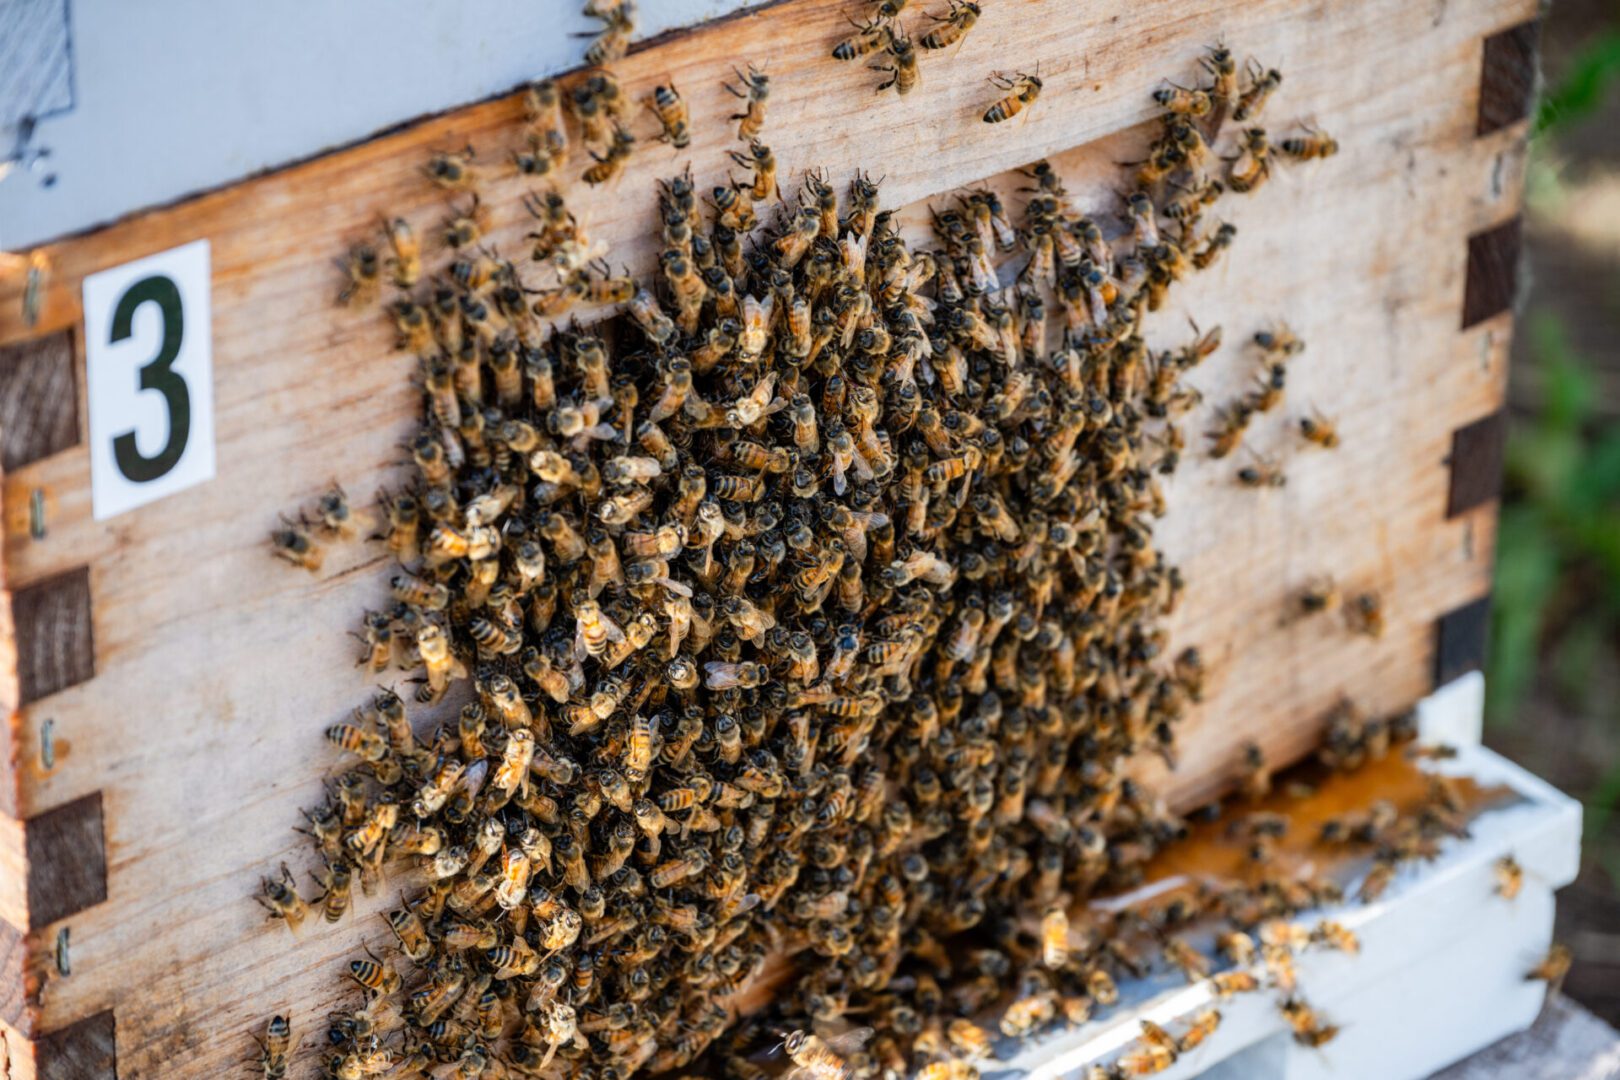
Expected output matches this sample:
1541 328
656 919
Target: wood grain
39 406
86 1050
67 860
57 648
216 668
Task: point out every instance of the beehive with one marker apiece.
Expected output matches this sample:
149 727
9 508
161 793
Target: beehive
162 666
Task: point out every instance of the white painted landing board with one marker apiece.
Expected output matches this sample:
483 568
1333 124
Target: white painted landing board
1441 970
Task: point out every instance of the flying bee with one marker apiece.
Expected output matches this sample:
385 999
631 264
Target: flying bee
904 73
755 90
1022 90
1262 472
280 898
452 169
1319 430
868 38
363 271
822 1059
667 104
1311 146
953 25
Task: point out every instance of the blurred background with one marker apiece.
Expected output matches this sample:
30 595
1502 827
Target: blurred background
1554 676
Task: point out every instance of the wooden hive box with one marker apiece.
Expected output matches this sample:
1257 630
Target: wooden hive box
165 682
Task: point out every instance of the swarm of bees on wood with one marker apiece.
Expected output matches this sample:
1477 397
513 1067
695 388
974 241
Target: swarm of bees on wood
811 604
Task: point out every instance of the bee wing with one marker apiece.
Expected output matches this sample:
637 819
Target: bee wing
847 1041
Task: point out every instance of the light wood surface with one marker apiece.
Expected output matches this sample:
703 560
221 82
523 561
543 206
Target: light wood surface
216 668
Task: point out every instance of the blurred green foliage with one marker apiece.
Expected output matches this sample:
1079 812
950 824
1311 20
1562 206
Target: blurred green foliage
1592 72
1558 553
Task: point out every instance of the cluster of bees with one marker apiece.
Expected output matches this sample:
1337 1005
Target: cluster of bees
810 605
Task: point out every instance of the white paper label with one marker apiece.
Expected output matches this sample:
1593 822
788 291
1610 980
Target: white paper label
150 375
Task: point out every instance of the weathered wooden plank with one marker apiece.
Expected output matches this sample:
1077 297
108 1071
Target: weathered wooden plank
1365 255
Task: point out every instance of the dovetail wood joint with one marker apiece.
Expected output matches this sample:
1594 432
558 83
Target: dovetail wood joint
1493 272
86 1050
67 860
1476 463
1507 77
39 402
1462 637
55 646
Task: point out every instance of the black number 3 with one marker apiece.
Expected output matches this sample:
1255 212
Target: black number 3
157 374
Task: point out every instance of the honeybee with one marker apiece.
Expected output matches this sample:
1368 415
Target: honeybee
755 90
1308 1028
1252 166
293 543
667 104
1262 472
822 1059
1198 1032
1055 938
1553 967
953 25
679 869
280 898
1223 90
1022 90
452 169
1335 935
1192 964
274 1048
1147 1061
375 976
763 162
1179 101
903 72
405 266
335 882
608 166
1509 877
949 1069
1365 614
613 40
363 271
1319 430
1228 983
1232 422
868 38
1262 83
